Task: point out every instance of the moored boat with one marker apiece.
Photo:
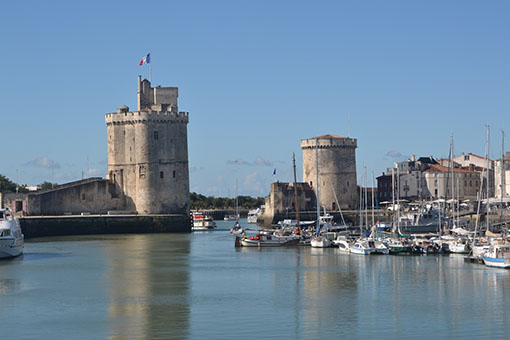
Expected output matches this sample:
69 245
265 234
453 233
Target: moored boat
11 237
498 256
202 221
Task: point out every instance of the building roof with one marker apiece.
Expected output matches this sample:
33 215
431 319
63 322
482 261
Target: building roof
327 136
442 168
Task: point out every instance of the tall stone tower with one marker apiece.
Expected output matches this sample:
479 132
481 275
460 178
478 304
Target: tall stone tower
337 169
148 152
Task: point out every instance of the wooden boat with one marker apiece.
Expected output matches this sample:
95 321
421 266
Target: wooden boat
268 240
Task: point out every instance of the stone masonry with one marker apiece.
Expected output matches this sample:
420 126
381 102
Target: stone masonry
337 169
148 152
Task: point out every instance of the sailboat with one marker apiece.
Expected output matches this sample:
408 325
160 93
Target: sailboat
319 241
237 229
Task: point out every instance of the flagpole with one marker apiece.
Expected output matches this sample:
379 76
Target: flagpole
150 66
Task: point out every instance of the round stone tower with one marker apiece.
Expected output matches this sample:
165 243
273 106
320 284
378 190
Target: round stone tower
337 169
148 153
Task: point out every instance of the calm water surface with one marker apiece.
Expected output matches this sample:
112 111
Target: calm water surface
198 286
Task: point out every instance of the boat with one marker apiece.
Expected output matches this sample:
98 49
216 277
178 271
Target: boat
236 229
361 247
498 256
425 221
11 236
229 218
320 242
268 240
202 221
252 216
342 243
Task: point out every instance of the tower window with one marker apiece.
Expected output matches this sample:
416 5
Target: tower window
161 174
141 172
155 135
174 173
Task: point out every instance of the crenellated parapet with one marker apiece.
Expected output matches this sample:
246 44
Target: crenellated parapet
121 118
329 141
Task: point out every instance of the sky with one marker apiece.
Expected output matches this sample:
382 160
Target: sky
256 77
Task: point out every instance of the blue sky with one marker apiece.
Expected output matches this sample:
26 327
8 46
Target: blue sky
256 77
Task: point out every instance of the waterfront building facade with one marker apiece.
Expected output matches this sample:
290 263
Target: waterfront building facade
337 170
502 176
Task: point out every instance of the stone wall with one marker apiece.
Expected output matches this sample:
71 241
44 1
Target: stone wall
337 169
281 201
92 196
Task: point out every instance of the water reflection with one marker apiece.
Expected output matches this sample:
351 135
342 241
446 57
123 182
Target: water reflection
149 282
9 286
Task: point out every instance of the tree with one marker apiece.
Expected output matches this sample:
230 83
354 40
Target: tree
6 185
46 185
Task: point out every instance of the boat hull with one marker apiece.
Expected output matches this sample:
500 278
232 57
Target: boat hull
497 263
267 243
10 247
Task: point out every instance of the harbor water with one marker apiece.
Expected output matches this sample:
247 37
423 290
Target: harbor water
198 286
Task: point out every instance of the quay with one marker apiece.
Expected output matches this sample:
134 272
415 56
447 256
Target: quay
66 225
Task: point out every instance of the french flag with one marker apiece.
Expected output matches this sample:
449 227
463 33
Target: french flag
145 60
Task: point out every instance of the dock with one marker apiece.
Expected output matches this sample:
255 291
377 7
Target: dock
65 225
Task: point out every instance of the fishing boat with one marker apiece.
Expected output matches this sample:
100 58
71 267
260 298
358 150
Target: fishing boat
11 237
267 240
202 221
498 256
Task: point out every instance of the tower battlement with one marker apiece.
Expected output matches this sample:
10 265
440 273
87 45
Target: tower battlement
139 116
328 141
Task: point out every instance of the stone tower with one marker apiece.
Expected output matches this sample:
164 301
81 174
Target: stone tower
148 152
337 169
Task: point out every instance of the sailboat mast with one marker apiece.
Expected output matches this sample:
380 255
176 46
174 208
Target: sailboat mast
366 200
502 178
393 197
318 184
373 198
295 190
487 206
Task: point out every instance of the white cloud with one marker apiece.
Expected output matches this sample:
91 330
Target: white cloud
44 162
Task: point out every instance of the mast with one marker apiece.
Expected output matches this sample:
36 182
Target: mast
393 197
295 190
502 179
373 199
453 182
487 206
318 184
361 209
366 200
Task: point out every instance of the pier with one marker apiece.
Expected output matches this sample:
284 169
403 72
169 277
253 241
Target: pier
43 226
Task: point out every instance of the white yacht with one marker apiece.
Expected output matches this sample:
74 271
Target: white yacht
202 221
11 237
342 243
252 216
361 247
